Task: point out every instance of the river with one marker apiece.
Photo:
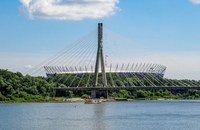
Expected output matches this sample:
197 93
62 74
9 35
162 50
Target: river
134 115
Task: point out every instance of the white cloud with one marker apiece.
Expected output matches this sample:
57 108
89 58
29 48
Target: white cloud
195 1
70 9
28 66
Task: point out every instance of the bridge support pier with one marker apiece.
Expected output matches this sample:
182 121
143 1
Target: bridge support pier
99 93
93 94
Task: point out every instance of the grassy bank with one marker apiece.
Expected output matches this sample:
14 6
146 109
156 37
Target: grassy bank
121 95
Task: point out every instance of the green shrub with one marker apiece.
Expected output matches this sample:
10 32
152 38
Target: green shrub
85 96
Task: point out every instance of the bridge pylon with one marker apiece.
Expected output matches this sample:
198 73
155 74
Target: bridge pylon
99 62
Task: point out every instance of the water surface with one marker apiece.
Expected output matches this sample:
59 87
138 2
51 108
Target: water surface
135 115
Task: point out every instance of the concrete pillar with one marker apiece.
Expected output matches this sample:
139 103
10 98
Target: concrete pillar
93 94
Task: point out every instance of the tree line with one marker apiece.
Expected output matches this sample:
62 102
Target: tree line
19 88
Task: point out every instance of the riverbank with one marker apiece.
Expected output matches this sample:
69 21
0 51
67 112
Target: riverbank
78 99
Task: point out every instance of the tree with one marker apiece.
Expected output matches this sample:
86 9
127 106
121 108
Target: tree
141 94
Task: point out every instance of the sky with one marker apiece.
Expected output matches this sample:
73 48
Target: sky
168 30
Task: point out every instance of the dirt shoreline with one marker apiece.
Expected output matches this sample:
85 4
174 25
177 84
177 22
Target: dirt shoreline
77 100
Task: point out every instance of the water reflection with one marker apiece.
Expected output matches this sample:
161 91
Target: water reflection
137 115
99 117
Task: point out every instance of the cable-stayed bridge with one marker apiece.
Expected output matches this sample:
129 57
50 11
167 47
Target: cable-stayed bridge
88 65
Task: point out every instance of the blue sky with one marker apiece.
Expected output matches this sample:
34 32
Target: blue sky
167 29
